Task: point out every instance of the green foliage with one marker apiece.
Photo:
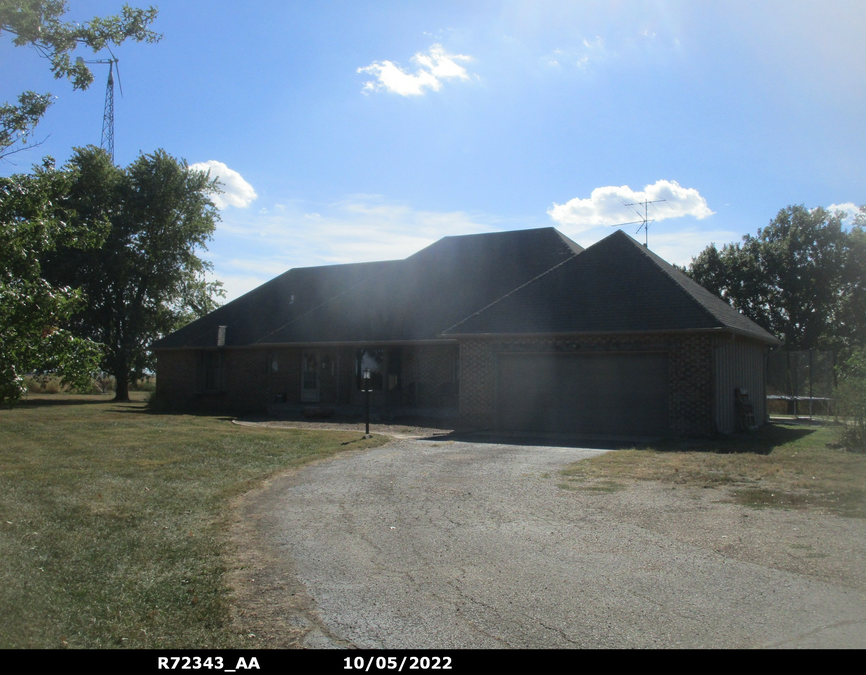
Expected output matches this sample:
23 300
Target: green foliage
18 121
35 219
147 279
851 400
802 278
102 383
39 24
43 384
156 403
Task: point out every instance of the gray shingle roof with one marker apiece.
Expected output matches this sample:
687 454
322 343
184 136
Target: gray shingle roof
614 286
520 282
419 297
272 305
404 300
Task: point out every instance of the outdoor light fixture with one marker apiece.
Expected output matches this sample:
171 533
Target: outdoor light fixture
366 377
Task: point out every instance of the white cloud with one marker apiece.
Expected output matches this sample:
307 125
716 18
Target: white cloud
236 191
851 211
579 56
605 205
360 228
250 248
433 67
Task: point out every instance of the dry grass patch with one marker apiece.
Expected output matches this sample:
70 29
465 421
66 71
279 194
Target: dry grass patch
780 466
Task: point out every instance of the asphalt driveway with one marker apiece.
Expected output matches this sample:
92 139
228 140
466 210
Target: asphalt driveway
424 544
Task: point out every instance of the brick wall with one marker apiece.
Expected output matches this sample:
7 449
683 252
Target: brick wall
690 368
283 375
251 383
256 378
692 386
430 375
176 373
244 378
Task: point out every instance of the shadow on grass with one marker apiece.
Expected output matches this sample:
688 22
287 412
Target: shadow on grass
49 402
133 407
545 440
760 442
142 409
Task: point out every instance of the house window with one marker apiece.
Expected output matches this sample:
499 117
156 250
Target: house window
386 368
310 390
212 371
395 369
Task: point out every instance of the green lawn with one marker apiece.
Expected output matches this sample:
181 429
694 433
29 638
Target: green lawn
780 466
114 520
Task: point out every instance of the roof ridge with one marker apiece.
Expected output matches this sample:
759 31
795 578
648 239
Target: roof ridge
568 241
332 298
657 260
688 286
512 292
348 264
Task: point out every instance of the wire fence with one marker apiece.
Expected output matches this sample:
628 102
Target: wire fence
800 383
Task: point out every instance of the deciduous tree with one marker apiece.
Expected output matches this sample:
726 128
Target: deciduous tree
147 278
803 278
35 219
39 24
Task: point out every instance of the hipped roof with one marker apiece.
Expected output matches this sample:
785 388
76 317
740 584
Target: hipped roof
615 286
520 282
403 300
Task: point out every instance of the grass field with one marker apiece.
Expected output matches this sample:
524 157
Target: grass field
779 466
114 520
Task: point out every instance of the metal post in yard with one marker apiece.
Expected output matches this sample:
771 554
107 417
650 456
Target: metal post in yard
367 399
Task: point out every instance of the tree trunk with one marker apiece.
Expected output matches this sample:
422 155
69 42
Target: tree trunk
121 391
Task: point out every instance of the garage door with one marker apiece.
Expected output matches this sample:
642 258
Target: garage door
606 394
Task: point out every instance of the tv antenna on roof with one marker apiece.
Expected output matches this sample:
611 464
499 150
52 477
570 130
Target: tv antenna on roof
644 221
108 114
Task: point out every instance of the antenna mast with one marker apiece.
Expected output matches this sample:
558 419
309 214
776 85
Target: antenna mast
644 222
644 217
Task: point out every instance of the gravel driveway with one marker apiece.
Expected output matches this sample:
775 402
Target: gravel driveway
425 544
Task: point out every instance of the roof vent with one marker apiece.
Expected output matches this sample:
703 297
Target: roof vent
291 299
221 336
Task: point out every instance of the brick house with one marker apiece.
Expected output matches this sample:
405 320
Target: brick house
515 331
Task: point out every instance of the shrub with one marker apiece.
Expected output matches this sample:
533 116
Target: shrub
43 384
156 403
90 388
851 400
144 384
103 383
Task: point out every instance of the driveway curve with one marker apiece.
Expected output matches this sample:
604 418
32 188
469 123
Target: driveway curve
424 544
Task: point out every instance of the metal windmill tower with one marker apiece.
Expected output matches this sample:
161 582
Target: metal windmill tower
108 114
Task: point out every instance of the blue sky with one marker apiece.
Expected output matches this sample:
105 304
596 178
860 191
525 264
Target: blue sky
355 131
